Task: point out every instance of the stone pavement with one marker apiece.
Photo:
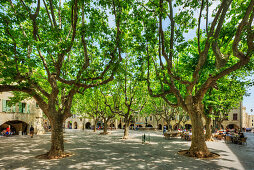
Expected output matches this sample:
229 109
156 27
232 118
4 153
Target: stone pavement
94 151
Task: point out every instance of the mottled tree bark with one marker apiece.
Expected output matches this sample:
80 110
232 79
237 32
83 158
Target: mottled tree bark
198 146
126 130
95 124
208 135
105 129
57 140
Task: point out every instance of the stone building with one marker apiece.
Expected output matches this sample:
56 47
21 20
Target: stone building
151 121
233 120
251 121
238 118
78 122
20 116
245 118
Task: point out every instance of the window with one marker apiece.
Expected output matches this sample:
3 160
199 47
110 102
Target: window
235 116
24 108
6 106
151 118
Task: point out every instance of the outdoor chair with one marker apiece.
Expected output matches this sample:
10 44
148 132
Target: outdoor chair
243 141
167 135
227 139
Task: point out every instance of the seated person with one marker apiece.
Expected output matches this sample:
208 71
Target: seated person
241 135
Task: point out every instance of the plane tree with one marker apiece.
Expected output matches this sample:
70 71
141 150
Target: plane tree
223 45
126 95
219 101
89 104
51 50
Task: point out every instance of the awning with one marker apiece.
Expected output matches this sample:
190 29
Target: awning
139 123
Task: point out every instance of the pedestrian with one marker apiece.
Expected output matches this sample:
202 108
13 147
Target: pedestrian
32 131
164 129
8 130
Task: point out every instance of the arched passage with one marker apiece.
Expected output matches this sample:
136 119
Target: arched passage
16 126
160 127
69 125
187 126
75 125
176 127
149 125
120 126
232 126
132 126
88 125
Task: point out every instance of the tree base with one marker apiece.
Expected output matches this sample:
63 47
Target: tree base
125 137
58 156
103 133
211 155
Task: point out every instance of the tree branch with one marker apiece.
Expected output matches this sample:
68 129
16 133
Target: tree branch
199 21
52 12
240 28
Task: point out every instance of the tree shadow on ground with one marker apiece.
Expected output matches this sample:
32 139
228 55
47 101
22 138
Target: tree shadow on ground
244 153
93 151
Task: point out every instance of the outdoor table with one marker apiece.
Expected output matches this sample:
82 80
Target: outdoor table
167 135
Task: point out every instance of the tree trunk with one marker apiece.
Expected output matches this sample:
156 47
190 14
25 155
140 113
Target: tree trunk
95 124
126 130
168 125
57 141
105 129
219 125
198 146
208 135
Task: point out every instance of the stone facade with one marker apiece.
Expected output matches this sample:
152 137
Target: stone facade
77 122
251 121
21 116
239 118
234 118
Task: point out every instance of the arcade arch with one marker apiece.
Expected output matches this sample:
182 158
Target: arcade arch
88 125
75 125
16 126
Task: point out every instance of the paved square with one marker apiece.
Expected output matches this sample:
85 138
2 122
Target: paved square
94 151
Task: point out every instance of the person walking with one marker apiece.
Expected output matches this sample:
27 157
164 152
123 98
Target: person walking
32 131
164 129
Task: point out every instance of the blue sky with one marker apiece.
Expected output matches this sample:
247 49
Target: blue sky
248 101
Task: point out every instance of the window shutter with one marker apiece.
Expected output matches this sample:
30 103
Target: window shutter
14 108
4 106
20 107
28 108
